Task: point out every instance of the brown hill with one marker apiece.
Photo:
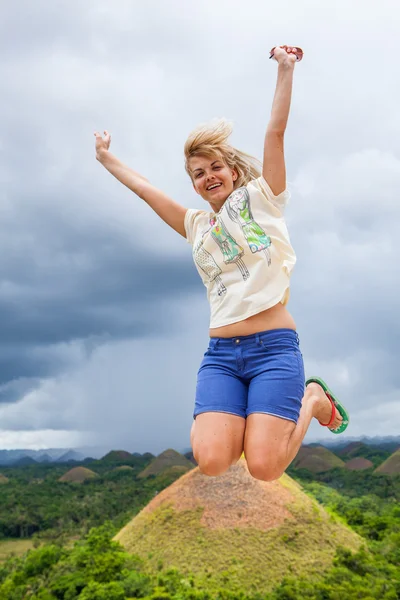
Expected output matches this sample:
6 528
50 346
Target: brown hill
78 475
316 459
391 466
359 464
166 460
3 478
236 531
117 456
352 450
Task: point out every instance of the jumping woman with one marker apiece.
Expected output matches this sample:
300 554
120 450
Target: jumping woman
251 393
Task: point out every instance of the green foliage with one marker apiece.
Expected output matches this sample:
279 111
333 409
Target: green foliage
103 591
34 502
98 568
99 557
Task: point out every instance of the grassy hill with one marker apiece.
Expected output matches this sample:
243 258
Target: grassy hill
3 479
316 459
391 466
78 475
163 462
375 454
358 464
235 531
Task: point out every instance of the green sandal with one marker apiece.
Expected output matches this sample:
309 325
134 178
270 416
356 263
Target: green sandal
335 404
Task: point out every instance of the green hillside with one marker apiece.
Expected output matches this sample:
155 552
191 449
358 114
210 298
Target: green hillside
316 459
235 530
167 459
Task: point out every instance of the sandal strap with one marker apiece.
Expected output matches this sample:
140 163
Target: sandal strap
333 412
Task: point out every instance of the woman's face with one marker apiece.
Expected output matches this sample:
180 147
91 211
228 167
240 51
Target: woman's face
212 179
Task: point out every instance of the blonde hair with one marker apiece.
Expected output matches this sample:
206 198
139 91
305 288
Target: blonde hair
211 139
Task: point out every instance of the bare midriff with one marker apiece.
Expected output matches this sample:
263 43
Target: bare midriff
277 317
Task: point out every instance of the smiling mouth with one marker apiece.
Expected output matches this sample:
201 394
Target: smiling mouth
215 186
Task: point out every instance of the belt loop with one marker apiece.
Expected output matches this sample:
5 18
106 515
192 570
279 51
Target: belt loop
258 341
214 343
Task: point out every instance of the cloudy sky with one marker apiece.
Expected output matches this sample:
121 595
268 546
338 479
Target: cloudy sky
103 319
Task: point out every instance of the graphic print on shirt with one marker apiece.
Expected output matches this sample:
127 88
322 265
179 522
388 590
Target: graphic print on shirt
231 251
207 264
239 210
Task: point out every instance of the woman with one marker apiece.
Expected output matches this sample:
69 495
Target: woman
251 395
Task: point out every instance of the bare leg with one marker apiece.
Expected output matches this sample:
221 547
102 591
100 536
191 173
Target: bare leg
271 443
217 441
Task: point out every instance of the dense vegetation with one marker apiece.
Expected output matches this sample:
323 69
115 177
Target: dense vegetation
96 568
34 502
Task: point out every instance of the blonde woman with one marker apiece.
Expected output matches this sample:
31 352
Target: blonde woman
251 394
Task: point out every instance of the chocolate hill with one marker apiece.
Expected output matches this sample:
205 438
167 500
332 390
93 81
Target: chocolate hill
78 475
352 450
236 531
164 461
359 464
391 466
118 456
316 459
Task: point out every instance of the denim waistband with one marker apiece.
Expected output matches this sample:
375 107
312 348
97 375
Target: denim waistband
262 336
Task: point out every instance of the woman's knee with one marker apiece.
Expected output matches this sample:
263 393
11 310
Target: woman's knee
211 464
264 469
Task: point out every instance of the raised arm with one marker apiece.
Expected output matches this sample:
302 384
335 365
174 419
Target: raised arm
274 170
170 211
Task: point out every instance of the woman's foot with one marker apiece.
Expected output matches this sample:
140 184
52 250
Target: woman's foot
322 409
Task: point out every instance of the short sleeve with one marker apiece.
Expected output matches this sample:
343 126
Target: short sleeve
190 223
279 201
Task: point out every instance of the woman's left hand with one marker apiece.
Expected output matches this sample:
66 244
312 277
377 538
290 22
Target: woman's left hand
286 54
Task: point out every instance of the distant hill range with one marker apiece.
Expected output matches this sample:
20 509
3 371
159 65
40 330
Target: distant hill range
236 531
389 442
356 456
49 455
324 454
64 455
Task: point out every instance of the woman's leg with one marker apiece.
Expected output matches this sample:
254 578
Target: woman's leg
271 443
220 409
217 441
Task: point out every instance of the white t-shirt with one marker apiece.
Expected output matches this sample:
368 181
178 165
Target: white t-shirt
243 253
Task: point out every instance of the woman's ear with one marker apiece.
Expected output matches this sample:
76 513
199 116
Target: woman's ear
234 175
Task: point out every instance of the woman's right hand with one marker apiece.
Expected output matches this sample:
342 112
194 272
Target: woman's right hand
102 144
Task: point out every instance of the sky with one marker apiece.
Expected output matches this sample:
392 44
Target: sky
103 318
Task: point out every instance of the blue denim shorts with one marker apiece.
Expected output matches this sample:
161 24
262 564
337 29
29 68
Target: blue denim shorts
260 373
